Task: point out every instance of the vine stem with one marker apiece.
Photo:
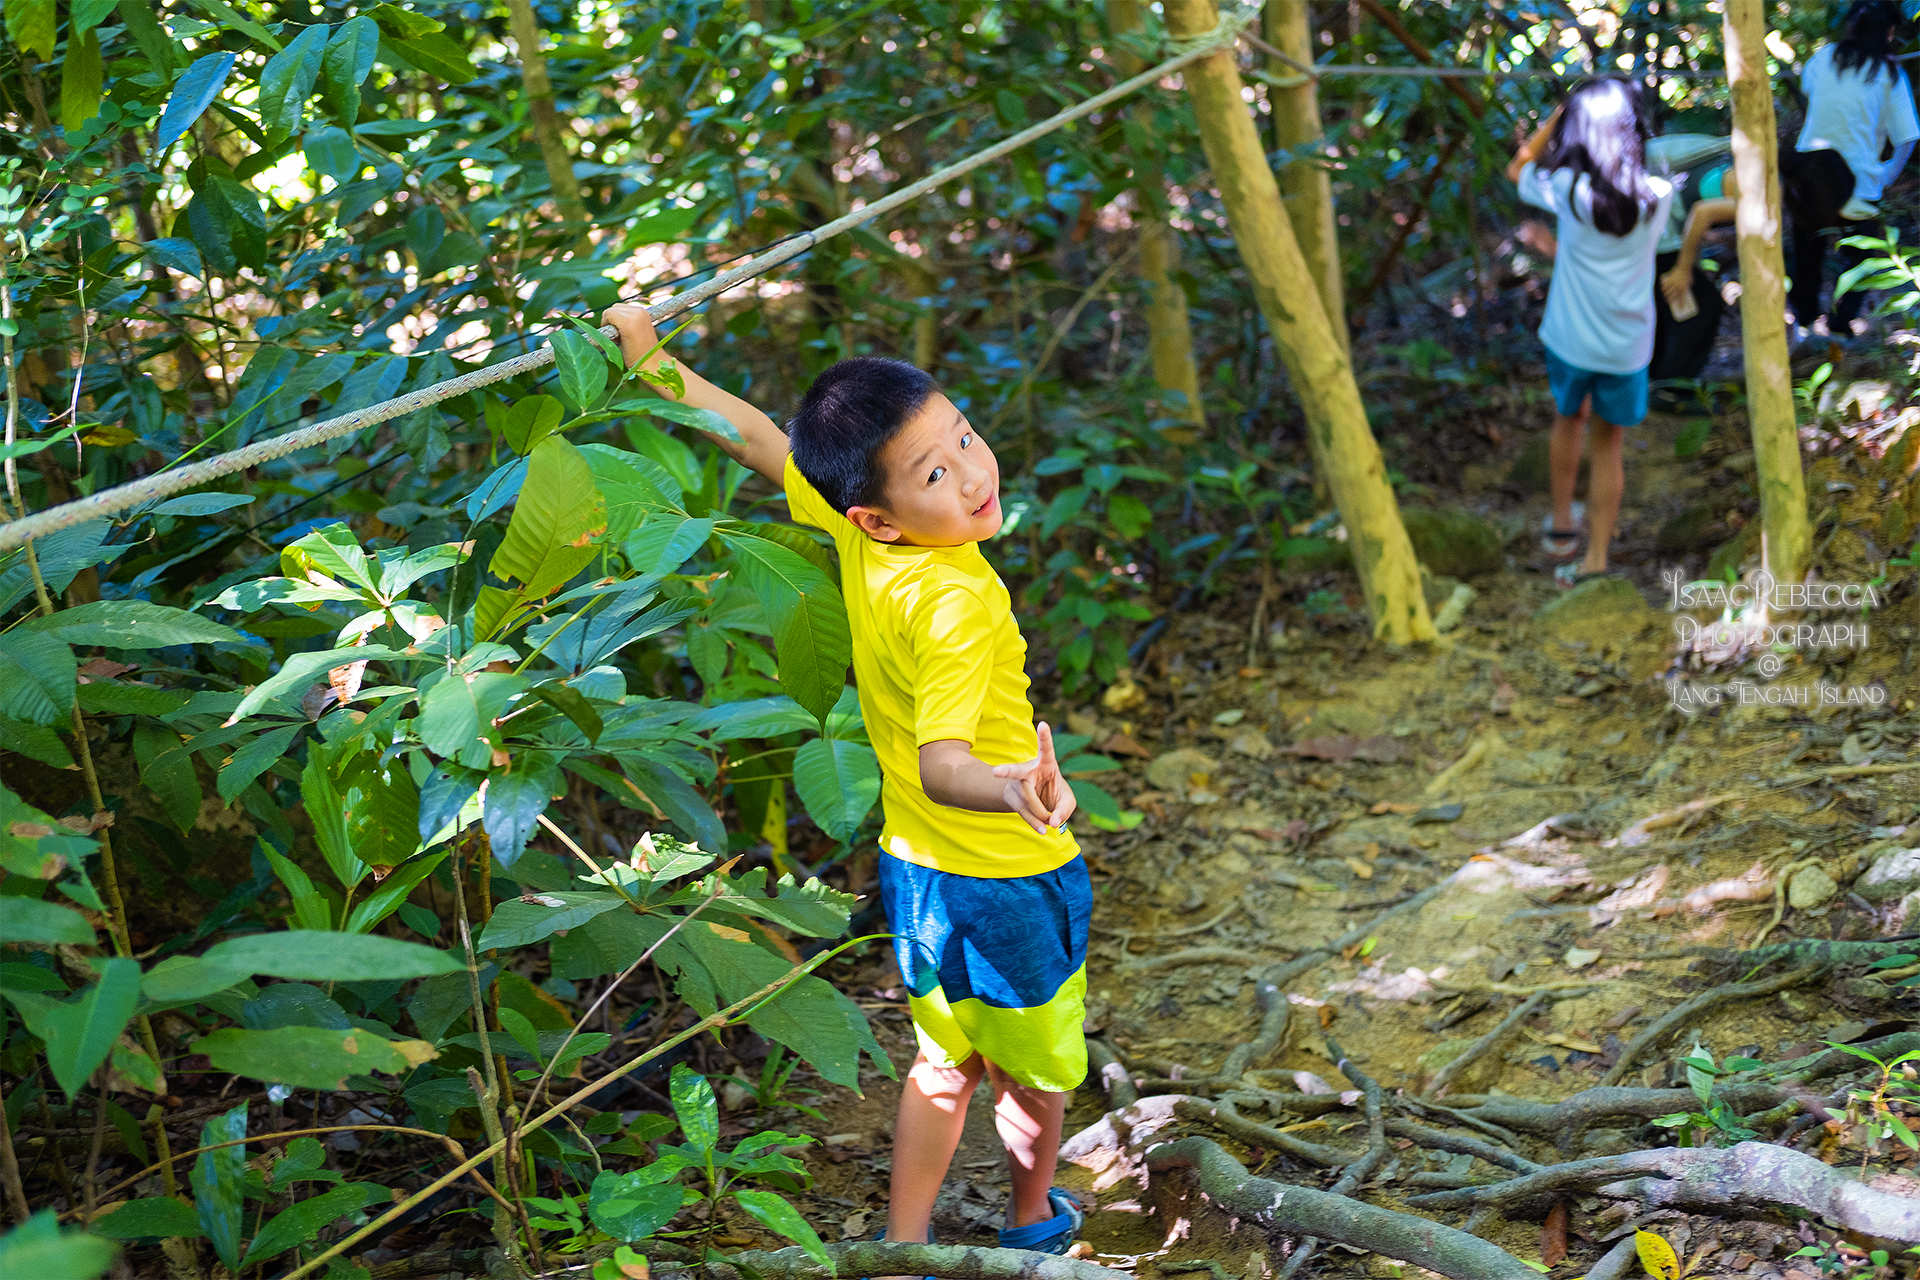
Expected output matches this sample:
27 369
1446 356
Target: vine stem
109 871
719 1018
10 1169
487 1094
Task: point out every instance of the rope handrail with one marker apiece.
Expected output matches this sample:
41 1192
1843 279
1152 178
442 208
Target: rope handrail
17 533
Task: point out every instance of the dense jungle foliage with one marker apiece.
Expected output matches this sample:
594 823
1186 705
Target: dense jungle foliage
376 800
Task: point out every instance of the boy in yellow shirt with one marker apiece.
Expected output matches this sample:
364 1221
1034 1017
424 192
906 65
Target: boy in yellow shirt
984 889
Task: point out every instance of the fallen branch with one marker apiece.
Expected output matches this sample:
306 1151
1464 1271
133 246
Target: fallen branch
1484 1044
1302 1211
1460 1144
1751 1178
1192 955
881 1258
1687 1010
1567 1119
1831 1062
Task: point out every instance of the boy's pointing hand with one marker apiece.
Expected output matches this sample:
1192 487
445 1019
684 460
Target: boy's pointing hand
1037 790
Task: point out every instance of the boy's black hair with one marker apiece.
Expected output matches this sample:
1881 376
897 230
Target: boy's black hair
846 418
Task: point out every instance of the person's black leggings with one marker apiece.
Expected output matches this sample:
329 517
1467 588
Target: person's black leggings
1813 186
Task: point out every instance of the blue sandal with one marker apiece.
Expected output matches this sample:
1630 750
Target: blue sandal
1053 1236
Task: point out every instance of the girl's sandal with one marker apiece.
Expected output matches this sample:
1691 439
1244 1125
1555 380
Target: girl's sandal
1056 1234
1562 544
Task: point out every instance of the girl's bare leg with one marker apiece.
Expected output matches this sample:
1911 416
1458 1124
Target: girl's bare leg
933 1111
1029 1121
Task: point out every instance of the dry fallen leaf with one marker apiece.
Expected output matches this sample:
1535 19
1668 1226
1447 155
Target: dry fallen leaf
1553 1235
1566 1041
1580 957
1390 806
1360 868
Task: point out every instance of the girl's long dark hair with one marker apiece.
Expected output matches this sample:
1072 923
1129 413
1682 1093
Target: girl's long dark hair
1868 44
1603 134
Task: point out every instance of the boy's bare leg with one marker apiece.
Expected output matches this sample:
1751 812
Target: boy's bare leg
1607 483
1029 1121
933 1111
1563 461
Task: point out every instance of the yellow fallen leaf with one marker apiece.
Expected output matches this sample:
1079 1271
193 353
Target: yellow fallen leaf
1657 1256
1570 1042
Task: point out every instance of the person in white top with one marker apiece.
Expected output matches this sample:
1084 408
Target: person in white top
1860 130
1588 166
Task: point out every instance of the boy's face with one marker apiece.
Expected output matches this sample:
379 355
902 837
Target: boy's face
942 483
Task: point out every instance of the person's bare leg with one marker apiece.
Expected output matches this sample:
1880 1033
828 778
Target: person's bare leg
1563 461
1607 483
933 1111
1029 1121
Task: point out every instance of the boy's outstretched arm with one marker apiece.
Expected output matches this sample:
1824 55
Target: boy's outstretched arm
762 446
952 775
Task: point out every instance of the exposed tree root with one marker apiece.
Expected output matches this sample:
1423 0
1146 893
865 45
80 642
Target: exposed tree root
1831 1062
1485 1043
1360 1170
1687 1010
1567 1119
1192 955
1272 1003
1618 1262
1114 1079
1223 1115
1301 1211
1460 1144
1751 1178
875 1258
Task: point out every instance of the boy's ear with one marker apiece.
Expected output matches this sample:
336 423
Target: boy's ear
874 523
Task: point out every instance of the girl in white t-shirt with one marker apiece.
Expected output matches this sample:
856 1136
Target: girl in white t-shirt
1588 166
1859 102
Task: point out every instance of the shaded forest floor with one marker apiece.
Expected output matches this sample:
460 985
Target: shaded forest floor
1293 795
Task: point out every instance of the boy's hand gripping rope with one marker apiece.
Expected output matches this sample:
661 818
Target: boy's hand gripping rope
17 533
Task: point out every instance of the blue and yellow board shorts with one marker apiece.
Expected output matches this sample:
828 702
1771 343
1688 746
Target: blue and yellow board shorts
995 967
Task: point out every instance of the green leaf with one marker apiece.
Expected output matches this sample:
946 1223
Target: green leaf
180 979
757 718
36 742
131 624
330 151
582 367
129 698
520 921
1095 800
304 1057
808 619
33 920
81 74
555 519
391 896
313 956
304 1220
793 539
838 782
228 225
457 715
219 1181
774 1213
302 669
693 1102
572 704
288 80
254 759
36 1247
665 541
685 807
80 1031
814 908
516 797
159 1216
437 54
166 767
627 1206
707 420
31 25
37 677
345 66
515 1024
529 422
226 15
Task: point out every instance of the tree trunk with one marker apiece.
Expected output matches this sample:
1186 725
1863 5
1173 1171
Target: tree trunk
1169 334
1305 189
1785 541
547 129
1343 445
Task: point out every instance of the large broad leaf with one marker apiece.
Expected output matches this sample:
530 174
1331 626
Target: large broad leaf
302 669
219 1181
179 979
288 80
166 766
838 781
555 519
293 1004
36 742
665 541
457 715
330 957
516 797
694 1104
62 556
582 367
308 1057
393 891
132 624
774 1213
630 1206
310 909
345 65
687 808
758 718
193 93
519 921
159 1216
605 944
228 225
442 797
808 619
437 54
31 920
814 908
80 1032
36 1247
254 759
303 1222
81 74
634 486
37 677
31 25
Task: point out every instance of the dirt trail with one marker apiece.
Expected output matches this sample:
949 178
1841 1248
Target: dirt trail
1515 761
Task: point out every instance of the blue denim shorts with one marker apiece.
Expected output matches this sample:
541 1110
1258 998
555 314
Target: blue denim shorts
1619 398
